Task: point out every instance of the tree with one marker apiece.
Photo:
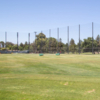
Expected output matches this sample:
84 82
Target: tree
72 42
61 45
22 45
72 46
65 47
77 46
14 47
87 44
3 49
26 47
41 42
20 48
51 44
2 43
26 43
98 40
9 45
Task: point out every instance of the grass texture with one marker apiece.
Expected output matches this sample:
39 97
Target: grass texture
49 77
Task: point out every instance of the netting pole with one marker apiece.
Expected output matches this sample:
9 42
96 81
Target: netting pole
79 39
29 42
92 36
35 41
17 41
68 39
5 39
99 44
49 38
41 41
58 40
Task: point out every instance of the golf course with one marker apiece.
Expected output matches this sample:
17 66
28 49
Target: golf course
49 77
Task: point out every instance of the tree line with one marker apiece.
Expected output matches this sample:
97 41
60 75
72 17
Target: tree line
44 44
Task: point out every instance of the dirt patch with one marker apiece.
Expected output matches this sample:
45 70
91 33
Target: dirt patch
90 91
66 83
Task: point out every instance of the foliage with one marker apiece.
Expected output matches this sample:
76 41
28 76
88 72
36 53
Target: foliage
72 46
40 41
87 44
14 47
3 49
98 40
51 44
2 43
20 48
44 44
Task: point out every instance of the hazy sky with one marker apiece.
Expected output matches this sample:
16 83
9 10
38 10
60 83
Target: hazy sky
37 15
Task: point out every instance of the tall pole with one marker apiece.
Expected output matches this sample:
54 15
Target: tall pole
17 41
49 38
99 39
29 41
92 37
35 41
58 39
68 38
41 41
99 44
49 32
79 39
5 39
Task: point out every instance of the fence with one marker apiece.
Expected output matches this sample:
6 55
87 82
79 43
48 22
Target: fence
71 39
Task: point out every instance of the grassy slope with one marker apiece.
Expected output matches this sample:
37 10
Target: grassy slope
49 77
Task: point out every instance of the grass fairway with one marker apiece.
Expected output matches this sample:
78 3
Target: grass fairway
49 77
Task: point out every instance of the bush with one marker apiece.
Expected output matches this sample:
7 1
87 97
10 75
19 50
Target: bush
3 49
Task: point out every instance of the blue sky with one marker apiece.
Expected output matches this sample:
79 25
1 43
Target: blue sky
36 15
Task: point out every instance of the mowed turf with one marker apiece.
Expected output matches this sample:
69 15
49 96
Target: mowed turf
49 77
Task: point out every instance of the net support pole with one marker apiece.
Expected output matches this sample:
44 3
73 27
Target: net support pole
58 40
17 40
99 44
5 39
68 39
29 41
41 42
35 41
92 36
79 39
49 38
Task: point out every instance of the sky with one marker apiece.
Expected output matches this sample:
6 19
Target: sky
27 16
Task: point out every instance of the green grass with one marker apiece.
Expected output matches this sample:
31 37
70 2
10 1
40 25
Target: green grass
49 77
